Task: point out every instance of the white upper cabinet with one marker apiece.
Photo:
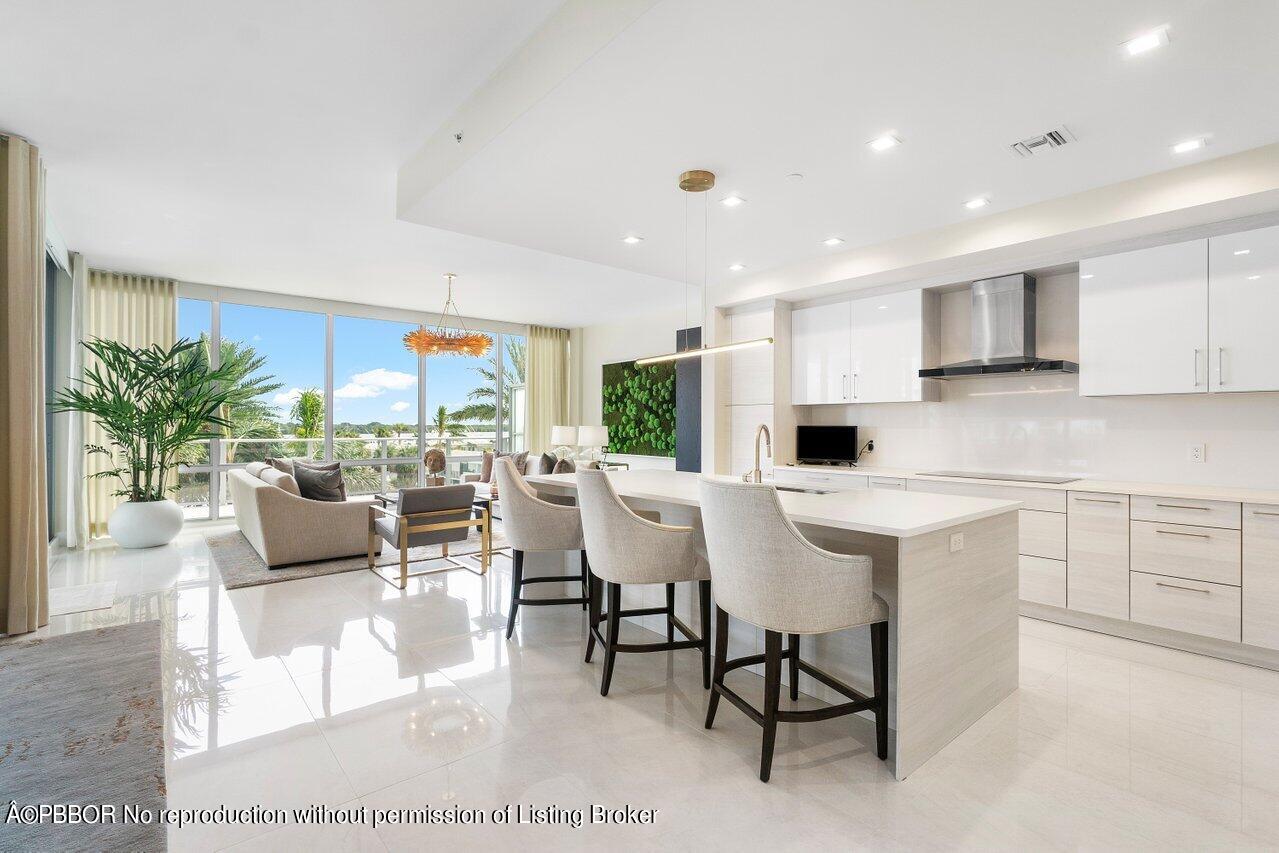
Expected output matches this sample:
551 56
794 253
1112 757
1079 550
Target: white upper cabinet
1243 304
1143 321
821 354
888 334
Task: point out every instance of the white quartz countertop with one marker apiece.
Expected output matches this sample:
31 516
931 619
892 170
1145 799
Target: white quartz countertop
1084 484
899 514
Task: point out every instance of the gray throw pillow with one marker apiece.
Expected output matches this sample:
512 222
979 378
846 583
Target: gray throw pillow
486 467
547 465
320 485
322 466
284 466
564 466
519 459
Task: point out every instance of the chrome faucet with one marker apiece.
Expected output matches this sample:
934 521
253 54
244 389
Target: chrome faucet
756 475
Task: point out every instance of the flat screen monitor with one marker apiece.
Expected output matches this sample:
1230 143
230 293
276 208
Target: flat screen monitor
826 444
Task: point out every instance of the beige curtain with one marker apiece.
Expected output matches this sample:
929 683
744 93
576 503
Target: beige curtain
137 310
24 524
548 384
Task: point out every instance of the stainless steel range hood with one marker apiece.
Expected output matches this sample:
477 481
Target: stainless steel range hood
1003 333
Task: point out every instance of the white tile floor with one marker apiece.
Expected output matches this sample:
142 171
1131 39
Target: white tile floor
344 691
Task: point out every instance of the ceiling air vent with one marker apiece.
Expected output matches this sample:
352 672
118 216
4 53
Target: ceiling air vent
1043 142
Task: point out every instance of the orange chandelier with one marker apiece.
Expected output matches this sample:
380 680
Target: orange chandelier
446 340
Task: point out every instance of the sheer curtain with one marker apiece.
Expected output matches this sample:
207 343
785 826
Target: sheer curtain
24 524
137 310
548 384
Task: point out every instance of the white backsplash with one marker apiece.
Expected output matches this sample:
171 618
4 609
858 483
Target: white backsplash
1041 425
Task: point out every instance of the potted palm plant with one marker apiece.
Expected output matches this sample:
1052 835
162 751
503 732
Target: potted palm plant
151 402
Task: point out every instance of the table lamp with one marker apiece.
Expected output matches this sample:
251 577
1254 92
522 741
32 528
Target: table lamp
594 438
563 438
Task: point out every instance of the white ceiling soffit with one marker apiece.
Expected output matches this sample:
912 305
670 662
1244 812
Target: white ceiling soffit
755 90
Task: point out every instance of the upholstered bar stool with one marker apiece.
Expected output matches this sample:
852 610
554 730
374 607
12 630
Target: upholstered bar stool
628 549
766 573
532 524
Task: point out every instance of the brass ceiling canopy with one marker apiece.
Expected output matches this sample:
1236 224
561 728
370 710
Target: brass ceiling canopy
696 181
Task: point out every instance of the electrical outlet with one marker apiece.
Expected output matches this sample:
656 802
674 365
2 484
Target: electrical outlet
956 542
1196 452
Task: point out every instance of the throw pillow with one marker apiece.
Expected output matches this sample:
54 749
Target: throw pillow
322 466
548 463
284 466
519 459
486 467
564 466
320 485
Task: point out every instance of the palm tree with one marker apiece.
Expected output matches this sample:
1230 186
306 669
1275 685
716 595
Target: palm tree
401 428
445 425
308 411
481 408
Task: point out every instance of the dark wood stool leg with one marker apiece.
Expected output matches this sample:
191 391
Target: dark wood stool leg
704 600
772 696
517 580
721 657
793 655
670 613
614 621
595 588
586 586
879 663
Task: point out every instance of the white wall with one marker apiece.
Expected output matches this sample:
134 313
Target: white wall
598 345
1042 425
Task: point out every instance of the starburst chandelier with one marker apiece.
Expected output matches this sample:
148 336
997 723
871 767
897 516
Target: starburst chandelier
444 339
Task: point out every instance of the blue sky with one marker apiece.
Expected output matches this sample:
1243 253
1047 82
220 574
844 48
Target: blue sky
374 376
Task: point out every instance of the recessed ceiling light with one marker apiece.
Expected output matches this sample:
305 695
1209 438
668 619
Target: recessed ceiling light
1253 277
632 239
736 267
1087 275
833 241
975 203
883 143
1146 42
1243 252
1189 145
732 201
883 307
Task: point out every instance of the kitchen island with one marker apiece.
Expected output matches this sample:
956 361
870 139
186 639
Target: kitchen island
946 565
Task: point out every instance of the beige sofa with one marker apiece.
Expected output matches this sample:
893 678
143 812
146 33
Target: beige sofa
286 528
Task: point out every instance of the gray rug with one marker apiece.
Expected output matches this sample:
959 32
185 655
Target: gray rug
82 721
240 566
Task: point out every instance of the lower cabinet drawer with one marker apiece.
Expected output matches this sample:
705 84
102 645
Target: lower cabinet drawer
1041 580
1195 607
836 481
1041 534
896 483
1185 551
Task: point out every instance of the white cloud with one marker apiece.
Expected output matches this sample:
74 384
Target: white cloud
287 398
354 390
382 378
399 406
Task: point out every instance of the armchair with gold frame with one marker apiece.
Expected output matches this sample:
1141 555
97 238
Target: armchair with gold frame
433 515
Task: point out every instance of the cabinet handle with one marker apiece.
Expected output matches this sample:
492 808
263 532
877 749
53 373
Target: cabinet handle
1182 506
854 386
843 385
1179 533
1263 512
1098 500
1186 588
1221 372
1197 351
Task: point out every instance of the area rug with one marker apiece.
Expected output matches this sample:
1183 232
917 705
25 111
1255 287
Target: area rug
83 723
240 566
82 597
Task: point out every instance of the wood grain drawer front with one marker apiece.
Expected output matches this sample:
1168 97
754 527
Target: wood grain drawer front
1182 511
1047 500
1180 550
1097 554
1206 609
1261 575
1042 581
1042 534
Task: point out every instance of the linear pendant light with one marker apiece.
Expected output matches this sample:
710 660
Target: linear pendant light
699 181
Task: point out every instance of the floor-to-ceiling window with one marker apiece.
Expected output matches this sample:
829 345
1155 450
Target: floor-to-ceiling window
329 386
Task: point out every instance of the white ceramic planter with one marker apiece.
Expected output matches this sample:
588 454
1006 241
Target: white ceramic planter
145 524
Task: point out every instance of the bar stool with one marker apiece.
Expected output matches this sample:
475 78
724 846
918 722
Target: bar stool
628 549
766 573
532 524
